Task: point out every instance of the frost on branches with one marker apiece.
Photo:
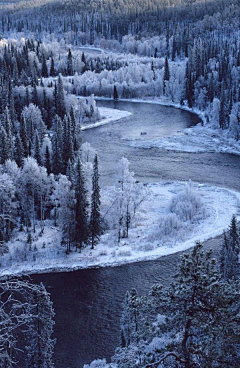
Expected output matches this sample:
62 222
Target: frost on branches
192 323
26 315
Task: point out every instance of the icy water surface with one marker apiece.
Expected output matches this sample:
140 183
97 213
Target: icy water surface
88 302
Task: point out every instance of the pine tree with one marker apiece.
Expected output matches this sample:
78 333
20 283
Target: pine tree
23 136
189 86
68 151
115 93
204 309
52 68
95 217
76 131
166 76
35 95
44 67
4 146
27 98
83 59
26 311
131 319
39 331
47 160
19 151
69 63
36 149
234 235
153 71
69 171
8 128
60 100
222 115
81 230
229 263
57 146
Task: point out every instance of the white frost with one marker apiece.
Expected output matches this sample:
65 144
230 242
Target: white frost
108 116
143 242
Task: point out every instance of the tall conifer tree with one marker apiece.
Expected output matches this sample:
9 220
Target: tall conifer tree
95 218
81 230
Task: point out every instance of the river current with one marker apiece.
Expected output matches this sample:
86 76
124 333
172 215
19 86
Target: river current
88 302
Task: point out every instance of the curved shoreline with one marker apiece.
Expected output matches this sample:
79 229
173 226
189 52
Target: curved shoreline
197 139
221 204
98 264
157 101
206 245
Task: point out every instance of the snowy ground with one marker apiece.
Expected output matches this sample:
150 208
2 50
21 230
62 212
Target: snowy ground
196 139
144 242
108 115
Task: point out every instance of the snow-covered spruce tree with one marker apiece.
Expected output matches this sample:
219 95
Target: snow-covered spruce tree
8 207
68 152
19 151
44 67
95 216
81 217
196 325
24 136
57 146
166 76
39 330
115 93
132 320
69 63
203 311
25 310
63 198
52 68
47 160
229 261
60 99
36 148
5 149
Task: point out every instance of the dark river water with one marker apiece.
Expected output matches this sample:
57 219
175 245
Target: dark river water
88 302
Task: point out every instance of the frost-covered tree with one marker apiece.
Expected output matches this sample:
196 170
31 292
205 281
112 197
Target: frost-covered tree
64 201
8 206
196 323
60 99
57 146
33 119
39 330
33 192
128 197
87 156
95 216
81 217
229 255
25 309
69 63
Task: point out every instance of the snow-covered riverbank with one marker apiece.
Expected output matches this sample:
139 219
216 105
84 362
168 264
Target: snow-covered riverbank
108 115
200 138
144 242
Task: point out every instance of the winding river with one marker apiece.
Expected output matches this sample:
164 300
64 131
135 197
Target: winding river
88 302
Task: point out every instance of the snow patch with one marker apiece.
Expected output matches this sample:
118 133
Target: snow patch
108 116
